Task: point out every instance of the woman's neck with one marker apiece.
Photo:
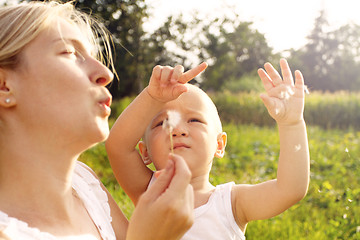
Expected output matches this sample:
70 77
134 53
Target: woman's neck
35 179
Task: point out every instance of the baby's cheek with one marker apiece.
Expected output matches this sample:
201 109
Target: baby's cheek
159 158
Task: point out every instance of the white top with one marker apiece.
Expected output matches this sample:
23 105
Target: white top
94 199
215 220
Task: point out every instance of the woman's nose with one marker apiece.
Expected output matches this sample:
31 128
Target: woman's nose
101 75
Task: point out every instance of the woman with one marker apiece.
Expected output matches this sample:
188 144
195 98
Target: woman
53 106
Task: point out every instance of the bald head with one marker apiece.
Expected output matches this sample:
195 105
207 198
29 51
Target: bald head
197 96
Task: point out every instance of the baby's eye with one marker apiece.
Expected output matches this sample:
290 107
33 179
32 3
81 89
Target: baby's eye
158 124
194 120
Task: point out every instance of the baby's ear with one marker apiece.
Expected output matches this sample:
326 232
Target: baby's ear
144 153
221 144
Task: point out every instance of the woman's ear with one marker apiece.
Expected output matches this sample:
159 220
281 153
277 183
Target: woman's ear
144 153
221 144
7 98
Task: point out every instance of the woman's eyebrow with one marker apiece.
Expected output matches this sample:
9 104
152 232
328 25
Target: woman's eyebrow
75 42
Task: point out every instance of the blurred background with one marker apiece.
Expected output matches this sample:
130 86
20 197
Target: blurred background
236 37
319 37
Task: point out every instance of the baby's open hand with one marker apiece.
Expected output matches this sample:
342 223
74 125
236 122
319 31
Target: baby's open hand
167 83
284 100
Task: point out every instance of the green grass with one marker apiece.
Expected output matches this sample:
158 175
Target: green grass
331 209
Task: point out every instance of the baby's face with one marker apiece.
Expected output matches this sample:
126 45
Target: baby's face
194 137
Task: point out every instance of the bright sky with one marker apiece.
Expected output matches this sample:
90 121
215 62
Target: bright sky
285 23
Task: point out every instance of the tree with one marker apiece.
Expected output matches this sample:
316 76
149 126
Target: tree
329 61
235 49
230 47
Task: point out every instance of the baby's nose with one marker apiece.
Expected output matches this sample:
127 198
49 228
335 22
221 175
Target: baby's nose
179 131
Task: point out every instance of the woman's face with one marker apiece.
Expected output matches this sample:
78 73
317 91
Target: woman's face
60 87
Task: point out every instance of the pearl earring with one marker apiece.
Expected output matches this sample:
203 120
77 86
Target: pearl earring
7 101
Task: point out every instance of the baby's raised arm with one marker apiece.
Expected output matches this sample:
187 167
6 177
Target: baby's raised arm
166 84
284 101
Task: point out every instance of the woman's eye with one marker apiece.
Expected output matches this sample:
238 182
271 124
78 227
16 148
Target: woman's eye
69 50
75 53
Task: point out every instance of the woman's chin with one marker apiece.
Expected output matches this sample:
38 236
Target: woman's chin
99 133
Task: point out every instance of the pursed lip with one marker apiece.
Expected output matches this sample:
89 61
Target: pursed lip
107 101
105 104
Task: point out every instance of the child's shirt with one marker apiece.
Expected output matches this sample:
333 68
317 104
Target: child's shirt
95 201
215 219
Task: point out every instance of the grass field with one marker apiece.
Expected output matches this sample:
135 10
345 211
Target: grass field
331 209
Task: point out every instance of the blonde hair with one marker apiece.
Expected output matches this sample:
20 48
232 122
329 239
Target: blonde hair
22 23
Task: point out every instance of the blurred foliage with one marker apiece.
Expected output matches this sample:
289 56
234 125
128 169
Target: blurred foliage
241 108
333 110
232 51
233 48
340 110
330 60
327 110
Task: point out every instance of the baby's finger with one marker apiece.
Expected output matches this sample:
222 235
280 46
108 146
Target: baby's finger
286 72
166 73
156 72
274 75
299 79
189 75
265 79
179 89
299 83
178 71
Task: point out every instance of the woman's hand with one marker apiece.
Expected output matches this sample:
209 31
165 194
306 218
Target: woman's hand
165 210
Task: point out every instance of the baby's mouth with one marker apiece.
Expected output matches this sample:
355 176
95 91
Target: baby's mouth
180 145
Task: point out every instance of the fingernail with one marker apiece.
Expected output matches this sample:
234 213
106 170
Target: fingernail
158 173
